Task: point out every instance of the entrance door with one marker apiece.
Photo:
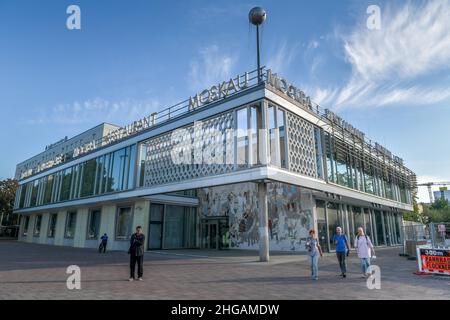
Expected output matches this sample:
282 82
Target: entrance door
210 239
156 227
215 233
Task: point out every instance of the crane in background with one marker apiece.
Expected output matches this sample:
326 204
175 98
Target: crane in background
430 184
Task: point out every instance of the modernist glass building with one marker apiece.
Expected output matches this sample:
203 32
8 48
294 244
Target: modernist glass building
246 164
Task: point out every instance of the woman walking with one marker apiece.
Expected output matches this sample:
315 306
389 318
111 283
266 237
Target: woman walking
364 249
314 250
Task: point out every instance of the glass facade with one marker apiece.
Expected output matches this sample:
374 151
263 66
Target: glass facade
108 173
37 226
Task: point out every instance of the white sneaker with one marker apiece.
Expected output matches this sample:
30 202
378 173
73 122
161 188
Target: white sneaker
140 279
131 279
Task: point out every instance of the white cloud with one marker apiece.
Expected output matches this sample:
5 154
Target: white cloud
389 66
213 66
96 111
281 59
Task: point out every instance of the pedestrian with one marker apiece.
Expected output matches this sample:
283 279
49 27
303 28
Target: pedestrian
364 249
136 253
103 244
342 250
314 250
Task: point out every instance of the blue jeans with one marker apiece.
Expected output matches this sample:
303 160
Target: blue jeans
365 263
314 268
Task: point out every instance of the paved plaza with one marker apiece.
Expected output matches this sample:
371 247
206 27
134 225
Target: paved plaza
31 271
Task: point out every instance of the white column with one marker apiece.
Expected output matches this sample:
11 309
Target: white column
263 223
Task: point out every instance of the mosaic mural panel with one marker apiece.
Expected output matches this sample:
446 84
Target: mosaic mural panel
290 214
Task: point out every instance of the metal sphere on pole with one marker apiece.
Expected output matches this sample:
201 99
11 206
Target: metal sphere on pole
257 16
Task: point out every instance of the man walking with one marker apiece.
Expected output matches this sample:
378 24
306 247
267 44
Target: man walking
103 244
342 249
136 252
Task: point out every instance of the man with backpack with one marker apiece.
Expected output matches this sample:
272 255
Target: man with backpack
364 249
342 249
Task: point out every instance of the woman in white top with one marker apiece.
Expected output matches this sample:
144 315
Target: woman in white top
364 249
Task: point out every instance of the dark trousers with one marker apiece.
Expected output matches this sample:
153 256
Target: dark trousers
140 262
102 247
341 259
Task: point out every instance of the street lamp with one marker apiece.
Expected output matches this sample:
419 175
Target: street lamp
257 16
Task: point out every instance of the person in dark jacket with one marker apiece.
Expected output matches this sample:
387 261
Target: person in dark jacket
136 252
103 244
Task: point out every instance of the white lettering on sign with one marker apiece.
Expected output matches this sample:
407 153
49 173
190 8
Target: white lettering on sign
220 91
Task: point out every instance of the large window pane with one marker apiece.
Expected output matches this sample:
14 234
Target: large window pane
379 227
37 226
93 224
65 185
34 193
48 189
131 167
281 124
23 194
117 170
273 140
255 126
124 223
26 225
52 225
71 221
322 233
333 222
88 178
242 137
173 227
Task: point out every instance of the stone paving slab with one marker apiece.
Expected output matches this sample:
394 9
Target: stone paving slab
32 271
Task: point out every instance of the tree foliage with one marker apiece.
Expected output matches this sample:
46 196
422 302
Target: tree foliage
7 196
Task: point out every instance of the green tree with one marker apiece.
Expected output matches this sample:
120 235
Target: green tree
7 196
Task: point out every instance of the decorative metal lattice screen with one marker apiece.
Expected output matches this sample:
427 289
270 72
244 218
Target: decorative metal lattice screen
302 154
160 167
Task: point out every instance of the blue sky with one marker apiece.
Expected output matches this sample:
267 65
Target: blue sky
134 57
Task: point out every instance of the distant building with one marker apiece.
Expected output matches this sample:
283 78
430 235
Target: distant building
442 194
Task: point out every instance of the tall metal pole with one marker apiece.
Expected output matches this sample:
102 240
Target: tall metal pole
257 54
256 17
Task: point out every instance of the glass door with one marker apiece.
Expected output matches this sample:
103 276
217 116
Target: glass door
156 227
322 233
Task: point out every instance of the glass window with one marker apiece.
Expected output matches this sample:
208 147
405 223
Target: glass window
379 227
333 222
76 181
273 132
88 178
48 189
142 159
319 152
52 225
131 167
173 227
117 172
65 185
93 224
70 224
37 226
26 225
23 194
368 225
34 193
242 137
358 219
322 225
101 173
255 114
281 124
124 223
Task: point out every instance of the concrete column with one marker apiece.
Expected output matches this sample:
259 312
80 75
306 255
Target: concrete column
44 228
263 223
